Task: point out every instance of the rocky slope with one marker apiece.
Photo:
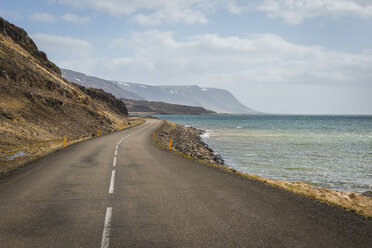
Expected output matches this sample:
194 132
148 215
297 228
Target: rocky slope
217 100
38 104
98 83
149 107
186 141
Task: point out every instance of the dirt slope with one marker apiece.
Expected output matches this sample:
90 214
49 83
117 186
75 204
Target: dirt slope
38 104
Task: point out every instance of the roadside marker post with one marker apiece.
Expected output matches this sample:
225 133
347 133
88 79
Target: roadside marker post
153 135
98 133
170 144
65 141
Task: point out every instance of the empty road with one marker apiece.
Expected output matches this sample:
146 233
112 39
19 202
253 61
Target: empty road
120 190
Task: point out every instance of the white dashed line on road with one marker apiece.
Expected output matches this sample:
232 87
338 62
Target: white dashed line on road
112 183
106 229
114 163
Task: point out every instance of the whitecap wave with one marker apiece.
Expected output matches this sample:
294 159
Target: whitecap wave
206 134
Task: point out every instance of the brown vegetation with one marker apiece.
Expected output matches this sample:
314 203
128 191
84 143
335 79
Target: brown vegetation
38 106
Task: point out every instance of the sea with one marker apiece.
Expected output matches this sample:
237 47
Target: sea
325 151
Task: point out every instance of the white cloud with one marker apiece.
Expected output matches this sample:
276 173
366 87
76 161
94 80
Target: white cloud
264 58
42 17
248 67
149 12
295 11
212 59
68 17
63 48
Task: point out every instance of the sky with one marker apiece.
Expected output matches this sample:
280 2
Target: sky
275 56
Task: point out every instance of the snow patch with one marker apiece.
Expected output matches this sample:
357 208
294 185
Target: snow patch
204 89
122 83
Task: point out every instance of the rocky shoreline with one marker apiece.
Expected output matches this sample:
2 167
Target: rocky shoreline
186 142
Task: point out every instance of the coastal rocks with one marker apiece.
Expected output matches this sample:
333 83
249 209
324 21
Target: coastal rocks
367 193
187 141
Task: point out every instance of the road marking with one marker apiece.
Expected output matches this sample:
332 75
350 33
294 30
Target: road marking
107 229
116 152
114 163
111 190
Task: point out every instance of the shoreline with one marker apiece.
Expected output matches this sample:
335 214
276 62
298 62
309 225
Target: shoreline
190 149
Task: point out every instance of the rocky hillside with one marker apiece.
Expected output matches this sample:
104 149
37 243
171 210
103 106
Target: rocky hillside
148 107
37 103
217 100
98 83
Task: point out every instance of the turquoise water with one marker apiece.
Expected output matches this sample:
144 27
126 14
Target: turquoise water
325 151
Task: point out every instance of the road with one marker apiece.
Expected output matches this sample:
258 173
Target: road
151 198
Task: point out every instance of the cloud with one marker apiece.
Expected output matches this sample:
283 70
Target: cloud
264 58
42 17
63 48
212 58
149 12
263 68
68 17
295 11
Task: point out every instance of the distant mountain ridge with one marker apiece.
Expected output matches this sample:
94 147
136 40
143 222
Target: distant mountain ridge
98 83
149 107
218 100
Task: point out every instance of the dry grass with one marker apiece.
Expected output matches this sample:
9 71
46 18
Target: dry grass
348 200
17 156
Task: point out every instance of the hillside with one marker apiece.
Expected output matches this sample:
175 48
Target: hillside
217 100
38 104
98 83
149 107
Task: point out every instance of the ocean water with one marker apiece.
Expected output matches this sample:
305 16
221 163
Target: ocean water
326 151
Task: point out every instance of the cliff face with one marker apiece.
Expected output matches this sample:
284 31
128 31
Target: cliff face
20 37
37 103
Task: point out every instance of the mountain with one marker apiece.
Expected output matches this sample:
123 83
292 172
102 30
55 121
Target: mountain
98 83
149 107
37 103
218 100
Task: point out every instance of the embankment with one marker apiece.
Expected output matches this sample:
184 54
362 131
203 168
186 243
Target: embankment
186 142
17 156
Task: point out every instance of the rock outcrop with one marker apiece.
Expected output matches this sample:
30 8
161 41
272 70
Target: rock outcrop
186 140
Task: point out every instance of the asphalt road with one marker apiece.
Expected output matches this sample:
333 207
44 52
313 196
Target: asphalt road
73 198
